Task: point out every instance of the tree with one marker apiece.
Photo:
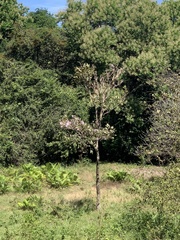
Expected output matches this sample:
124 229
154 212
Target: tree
132 35
11 16
31 102
40 40
44 46
42 18
162 141
105 94
120 29
171 9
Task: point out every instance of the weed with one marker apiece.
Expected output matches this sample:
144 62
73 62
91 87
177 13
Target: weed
4 182
31 203
58 177
28 178
148 224
117 176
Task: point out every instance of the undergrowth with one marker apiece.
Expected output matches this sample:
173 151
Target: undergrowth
152 214
30 179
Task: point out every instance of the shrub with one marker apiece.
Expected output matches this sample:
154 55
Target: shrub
163 193
31 203
4 188
117 176
28 178
156 216
58 177
145 225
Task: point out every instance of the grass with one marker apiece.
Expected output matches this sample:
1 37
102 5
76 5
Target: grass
69 213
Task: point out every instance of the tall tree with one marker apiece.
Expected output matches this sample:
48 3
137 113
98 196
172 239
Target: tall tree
44 46
42 18
118 28
130 34
11 16
40 40
171 9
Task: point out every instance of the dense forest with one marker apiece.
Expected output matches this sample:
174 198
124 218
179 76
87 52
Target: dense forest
113 65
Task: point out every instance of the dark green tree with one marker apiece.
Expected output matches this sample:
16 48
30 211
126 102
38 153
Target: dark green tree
40 40
171 9
31 103
42 18
44 46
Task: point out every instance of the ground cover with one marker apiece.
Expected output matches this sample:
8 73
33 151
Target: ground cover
130 205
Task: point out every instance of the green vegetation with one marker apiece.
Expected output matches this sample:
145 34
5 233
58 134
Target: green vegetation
101 86
117 176
31 203
50 71
70 213
58 177
157 143
30 179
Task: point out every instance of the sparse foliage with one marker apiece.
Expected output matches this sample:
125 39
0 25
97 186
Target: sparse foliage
105 94
162 142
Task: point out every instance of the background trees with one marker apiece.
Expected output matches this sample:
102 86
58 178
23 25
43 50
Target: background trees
11 16
171 9
162 141
32 102
134 36
37 55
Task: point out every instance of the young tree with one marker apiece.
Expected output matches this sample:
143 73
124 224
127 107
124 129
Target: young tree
105 94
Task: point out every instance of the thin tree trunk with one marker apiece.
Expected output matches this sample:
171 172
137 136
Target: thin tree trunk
97 176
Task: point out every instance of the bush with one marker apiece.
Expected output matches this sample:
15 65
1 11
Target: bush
163 193
28 179
4 182
145 225
58 177
32 103
31 203
117 176
157 214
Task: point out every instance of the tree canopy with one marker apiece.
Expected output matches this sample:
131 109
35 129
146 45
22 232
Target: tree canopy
43 79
